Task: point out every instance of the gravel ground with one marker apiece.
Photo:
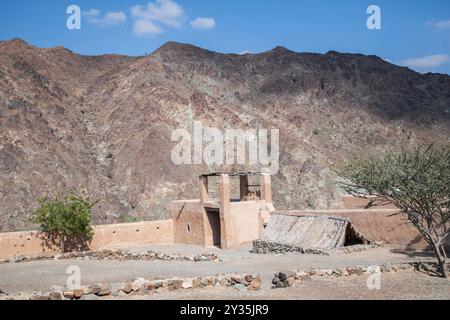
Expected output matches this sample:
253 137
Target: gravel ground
400 285
41 275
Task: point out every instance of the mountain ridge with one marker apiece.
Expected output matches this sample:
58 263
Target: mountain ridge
103 123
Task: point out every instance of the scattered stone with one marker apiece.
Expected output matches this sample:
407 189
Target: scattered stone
143 291
105 290
113 255
239 286
56 288
302 275
19 296
115 288
178 284
90 297
289 282
86 289
224 282
248 277
95 289
121 294
343 272
55 295
256 283
127 288
69 294
204 281
40 296
139 283
284 275
142 286
78 293
187 284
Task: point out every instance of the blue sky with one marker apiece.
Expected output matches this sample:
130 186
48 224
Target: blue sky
415 33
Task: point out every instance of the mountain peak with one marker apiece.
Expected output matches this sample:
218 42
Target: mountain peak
174 47
15 42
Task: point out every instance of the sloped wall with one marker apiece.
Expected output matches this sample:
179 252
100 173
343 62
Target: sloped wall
381 225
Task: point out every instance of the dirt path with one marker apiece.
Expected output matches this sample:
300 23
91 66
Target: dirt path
41 275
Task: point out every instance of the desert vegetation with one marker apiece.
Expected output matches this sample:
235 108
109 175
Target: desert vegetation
414 179
65 220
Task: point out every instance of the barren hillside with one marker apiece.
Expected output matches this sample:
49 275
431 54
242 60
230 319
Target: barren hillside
103 124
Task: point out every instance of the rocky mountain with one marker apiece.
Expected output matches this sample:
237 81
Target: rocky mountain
103 124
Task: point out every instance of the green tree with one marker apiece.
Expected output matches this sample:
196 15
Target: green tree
414 179
65 220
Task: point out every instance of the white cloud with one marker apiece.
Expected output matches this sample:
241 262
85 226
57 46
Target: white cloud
166 12
203 23
93 16
245 52
438 24
114 18
426 63
144 27
92 13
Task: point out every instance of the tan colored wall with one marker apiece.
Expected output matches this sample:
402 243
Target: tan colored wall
380 225
160 231
351 202
190 213
30 243
246 221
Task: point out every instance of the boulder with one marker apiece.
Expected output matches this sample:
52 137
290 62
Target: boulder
139 283
248 277
90 296
239 286
126 288
95 289
69 294
178 284
78 293
105 290
40 296
284 275
289 282
55 295
115 288
187 284
143 291
256 283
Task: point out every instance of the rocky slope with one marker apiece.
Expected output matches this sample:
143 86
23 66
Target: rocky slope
103 124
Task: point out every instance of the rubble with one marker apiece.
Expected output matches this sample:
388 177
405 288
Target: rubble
142 286
284 279
118 254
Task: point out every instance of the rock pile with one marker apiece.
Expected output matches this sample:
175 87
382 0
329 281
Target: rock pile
114 255
284 279
265 247
142 286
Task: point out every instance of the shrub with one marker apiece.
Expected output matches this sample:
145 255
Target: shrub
65 218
